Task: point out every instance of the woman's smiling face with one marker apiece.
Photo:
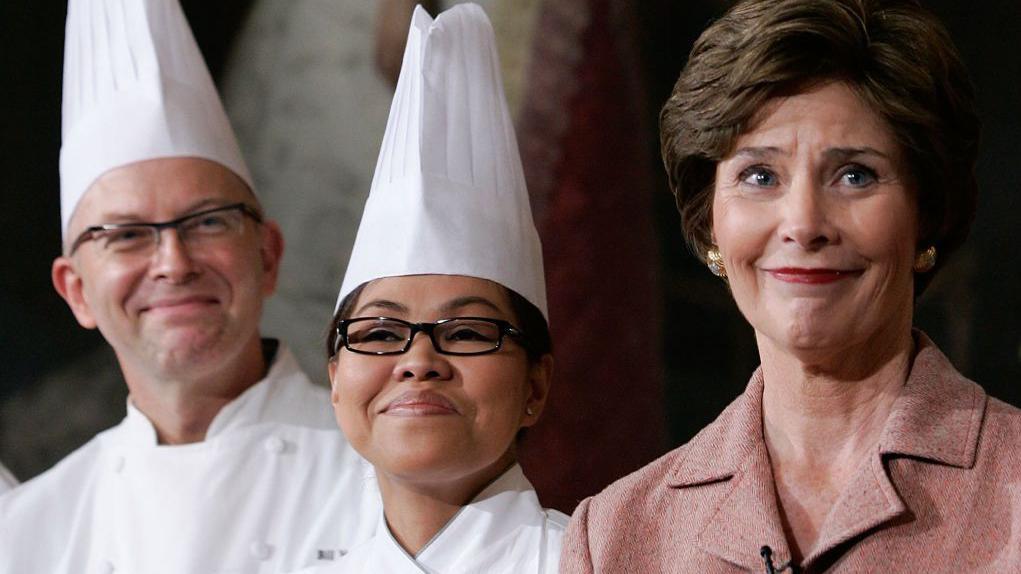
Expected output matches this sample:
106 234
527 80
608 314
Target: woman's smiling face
426 417
816 221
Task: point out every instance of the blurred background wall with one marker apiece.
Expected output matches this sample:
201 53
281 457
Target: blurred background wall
649 345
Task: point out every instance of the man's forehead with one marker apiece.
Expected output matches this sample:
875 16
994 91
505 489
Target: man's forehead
158 189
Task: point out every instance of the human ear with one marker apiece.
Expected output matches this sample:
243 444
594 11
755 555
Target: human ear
540 376
68 283
331 368
271 250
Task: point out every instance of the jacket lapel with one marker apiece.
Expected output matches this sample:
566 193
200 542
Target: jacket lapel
936 418
869 501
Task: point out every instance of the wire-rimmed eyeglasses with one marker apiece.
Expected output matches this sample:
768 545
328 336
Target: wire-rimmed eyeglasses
131 238
454 336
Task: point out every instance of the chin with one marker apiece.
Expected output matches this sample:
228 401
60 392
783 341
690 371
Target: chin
418 466
809 334
191 350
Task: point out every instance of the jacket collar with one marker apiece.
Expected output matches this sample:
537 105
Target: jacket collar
281 396
505 512
936 417
730 454
938 414
497 525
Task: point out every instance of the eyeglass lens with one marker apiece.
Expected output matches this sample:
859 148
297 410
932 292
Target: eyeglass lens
128 239
461 336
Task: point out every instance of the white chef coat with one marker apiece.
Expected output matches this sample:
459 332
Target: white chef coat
504 530
7 480
274 486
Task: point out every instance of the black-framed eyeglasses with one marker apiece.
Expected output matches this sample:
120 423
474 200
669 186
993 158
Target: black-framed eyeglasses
454 336
132 238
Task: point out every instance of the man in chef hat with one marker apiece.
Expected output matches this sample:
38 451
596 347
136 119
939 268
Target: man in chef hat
228 458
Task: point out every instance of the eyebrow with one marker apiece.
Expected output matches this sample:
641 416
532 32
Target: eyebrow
834 153
384 304
460 302
758 152
448 307
131 217
846 153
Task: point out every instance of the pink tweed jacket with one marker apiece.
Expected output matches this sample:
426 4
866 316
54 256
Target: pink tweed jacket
941 493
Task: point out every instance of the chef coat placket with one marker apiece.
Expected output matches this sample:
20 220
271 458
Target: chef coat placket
504 530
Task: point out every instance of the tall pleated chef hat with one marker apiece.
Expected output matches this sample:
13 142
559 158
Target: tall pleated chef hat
135 88
448 196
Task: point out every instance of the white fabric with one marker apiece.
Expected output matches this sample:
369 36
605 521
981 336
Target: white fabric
273 485
448 195
135 88
504 530
7 480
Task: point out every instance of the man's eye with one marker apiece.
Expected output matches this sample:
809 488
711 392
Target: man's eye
759 177
124 237
212 223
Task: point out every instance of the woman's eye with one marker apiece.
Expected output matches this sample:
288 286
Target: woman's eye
467 334
380 335
759 177
857 176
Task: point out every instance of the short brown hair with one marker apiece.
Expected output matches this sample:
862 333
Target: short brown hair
893 53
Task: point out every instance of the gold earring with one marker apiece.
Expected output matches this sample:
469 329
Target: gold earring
925 260
715 263
529 411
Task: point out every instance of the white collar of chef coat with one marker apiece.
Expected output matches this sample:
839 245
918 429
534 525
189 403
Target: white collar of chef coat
276 397
495 517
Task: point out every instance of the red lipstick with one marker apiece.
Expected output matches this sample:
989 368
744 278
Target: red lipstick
814 276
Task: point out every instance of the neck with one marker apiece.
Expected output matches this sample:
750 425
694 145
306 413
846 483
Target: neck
416 511
182 405
819 413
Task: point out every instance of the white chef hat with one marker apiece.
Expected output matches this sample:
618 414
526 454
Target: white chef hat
448 196
135 88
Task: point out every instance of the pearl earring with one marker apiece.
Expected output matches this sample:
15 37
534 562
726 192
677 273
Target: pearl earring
715 263
925 260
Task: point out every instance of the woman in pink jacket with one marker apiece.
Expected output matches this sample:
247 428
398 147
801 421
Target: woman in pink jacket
822 155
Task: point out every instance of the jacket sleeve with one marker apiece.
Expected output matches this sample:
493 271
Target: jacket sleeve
575 557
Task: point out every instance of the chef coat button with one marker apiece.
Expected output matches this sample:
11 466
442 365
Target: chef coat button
275 444
118 466
260 550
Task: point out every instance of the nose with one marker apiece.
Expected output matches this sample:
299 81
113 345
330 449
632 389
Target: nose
807 216
421 362
171 259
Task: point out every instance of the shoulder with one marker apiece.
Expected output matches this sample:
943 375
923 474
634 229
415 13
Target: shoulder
556 520
630 495
712 454
71 476
1000 436
293 397
48 510
648 510
988 428
606 529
